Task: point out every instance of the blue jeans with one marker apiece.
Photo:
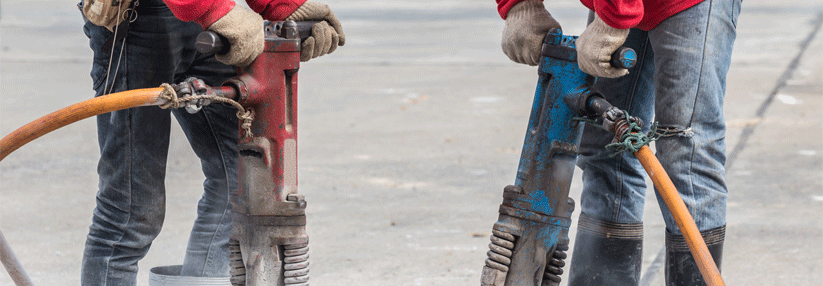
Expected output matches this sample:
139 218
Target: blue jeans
679 81
134 146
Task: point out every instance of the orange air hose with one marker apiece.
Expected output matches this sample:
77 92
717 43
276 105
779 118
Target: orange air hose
77 112
681 215
58 119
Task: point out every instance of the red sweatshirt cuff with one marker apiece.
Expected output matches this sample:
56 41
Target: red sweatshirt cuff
203 13
503 7
619 14
218 9
275 10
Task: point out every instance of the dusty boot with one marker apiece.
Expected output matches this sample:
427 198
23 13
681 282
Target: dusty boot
606 253
681 269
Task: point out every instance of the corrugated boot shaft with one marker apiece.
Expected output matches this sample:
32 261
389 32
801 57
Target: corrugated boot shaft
606 253
681 268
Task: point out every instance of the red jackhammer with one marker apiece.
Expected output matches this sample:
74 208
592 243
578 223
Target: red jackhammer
269 244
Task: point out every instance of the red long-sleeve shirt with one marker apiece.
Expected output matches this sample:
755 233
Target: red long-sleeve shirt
624 14
206 12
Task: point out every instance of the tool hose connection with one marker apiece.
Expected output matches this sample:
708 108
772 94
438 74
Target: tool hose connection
194 93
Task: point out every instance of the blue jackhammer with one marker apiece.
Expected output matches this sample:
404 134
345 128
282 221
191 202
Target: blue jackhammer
530 237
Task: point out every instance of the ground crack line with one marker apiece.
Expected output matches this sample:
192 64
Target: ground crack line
781 83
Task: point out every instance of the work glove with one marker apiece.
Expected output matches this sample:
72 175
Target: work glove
595 47
244 30
325 36
527 23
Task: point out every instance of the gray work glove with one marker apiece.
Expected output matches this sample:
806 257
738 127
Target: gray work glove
527 23
244 30
595 47
325 36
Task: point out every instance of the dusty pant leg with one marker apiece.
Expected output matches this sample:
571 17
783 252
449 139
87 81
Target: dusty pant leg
614 187
131 196
134 145
131 199
213 135
207 252
692 56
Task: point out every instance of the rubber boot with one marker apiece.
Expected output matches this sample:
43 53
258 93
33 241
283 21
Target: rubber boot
681 268
606 253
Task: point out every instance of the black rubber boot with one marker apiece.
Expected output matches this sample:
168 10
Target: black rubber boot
681 269
606 253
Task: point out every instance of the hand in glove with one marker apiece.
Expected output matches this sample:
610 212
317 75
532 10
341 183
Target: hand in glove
595 47
244 30
325 36
527 23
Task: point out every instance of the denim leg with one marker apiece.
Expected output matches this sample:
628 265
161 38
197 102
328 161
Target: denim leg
692 56
614 187
213 134
134 146
131 197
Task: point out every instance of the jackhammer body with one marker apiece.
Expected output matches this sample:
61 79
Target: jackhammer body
269 242
269 219
529 240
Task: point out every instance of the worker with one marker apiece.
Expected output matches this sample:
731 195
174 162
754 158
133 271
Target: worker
684 49
155 45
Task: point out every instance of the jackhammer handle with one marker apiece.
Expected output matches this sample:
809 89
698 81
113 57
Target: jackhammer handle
209 42
624 57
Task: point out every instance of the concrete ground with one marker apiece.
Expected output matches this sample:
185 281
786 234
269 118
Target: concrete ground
408 135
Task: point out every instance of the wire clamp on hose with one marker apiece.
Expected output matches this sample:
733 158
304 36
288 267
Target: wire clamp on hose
194 93
628 131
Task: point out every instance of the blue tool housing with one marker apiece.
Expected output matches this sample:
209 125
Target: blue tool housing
536 211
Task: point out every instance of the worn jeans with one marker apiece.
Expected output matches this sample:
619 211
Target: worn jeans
679 81
134 145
